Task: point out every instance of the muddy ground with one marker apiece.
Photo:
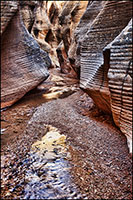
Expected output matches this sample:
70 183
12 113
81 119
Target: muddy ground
101 167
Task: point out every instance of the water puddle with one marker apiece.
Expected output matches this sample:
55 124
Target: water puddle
48 175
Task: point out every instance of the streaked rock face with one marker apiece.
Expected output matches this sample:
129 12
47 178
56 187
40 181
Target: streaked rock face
120 81
53 28
8 9
27 9
23 64
93 9
68 20
105 65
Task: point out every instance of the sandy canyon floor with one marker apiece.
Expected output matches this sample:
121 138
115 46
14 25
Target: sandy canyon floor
91 162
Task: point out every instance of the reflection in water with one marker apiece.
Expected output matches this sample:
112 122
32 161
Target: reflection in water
48 176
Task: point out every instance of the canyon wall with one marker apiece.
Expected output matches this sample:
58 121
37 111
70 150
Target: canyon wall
23 63
120 76
104 58
52 24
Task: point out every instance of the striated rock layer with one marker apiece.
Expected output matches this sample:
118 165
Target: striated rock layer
105 69
52 24
68 21
8 10
120 76
23 64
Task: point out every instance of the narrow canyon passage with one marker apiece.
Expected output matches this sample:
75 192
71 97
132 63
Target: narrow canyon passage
66 99
93 163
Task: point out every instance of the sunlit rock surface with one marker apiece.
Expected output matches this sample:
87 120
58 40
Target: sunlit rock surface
68 21
27 10
23 64
53 25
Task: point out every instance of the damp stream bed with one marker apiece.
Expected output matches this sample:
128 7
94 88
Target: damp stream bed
62 148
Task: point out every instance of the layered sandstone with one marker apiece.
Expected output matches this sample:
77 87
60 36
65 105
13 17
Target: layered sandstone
105 72
68 20
93 9
23 64
53 28
27 9
120 76
8 9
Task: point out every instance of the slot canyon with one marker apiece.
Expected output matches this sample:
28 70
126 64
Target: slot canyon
66 99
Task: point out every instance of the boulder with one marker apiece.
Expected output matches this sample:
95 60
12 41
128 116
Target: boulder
23 64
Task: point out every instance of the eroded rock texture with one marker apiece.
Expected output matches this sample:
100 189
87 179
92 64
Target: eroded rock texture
53 28
93 9
105 72
68 20
120 76
86 38
23 64
27 9
7 12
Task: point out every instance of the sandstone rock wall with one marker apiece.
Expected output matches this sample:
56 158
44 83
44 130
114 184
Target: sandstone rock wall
105 72
7 12
27 9
23 64
93 9
120 76
53 28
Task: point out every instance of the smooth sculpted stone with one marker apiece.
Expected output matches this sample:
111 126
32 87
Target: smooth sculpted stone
106 72
120 81
53 25
109 22
28 13
68 20
92 10
23 64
